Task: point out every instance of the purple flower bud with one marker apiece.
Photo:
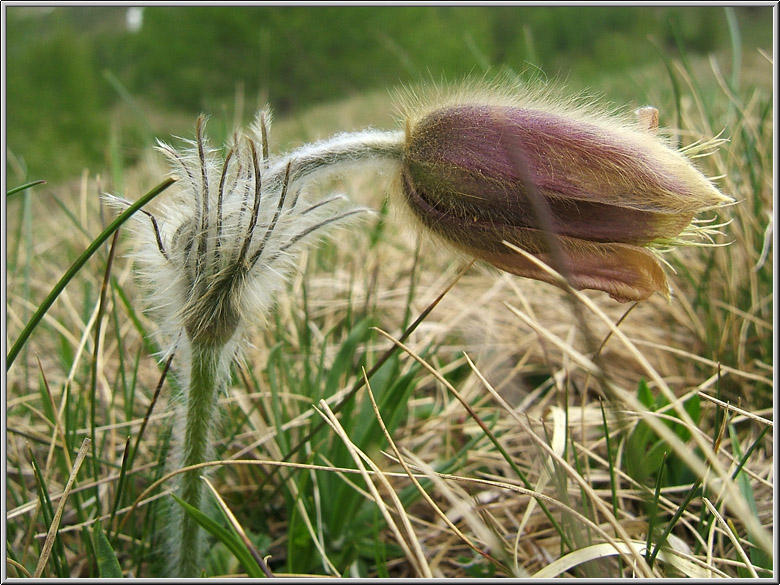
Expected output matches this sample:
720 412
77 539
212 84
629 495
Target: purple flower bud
479 175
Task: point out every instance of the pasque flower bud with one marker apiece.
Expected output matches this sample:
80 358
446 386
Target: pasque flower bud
480 175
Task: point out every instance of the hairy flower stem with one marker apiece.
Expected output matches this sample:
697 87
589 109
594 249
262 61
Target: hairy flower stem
338 153
208 377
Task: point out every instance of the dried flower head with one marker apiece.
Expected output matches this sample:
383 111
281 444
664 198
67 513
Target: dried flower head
220 251
481 170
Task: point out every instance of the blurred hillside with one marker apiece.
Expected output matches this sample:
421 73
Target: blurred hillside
90 86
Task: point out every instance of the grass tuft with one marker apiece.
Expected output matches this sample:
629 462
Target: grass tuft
501 427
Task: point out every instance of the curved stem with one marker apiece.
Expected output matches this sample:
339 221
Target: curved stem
335 154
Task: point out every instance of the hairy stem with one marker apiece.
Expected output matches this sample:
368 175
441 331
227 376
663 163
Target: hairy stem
208 377
373 148
210 331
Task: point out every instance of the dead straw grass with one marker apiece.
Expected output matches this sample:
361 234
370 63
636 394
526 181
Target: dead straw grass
531 383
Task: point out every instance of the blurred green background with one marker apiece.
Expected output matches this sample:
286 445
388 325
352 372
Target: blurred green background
90 86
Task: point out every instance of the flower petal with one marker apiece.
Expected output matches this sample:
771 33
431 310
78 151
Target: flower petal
472 147
626 272
510 205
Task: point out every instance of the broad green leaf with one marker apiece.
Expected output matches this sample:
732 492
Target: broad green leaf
229 539
108 565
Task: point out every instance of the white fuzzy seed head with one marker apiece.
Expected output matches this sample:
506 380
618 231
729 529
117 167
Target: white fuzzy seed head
221 249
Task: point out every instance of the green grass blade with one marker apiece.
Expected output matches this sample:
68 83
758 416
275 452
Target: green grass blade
653 515
108 564
121 483
128 98
610 462
672 523
736 50
149 410
749 452
611 466
14 562
230 540
21 188
95 355
675 85
127 392
148 341
238 531
71 216
78 264
682 53
360 381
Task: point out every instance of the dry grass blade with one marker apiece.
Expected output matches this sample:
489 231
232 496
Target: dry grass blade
107 516
412 547
558 445
578 357
558 441
316 536
349 394
542 497
55 523
141 498
58 427
736 409
152 403
463 505
688 355
638 559
598 551
732 537
18 566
